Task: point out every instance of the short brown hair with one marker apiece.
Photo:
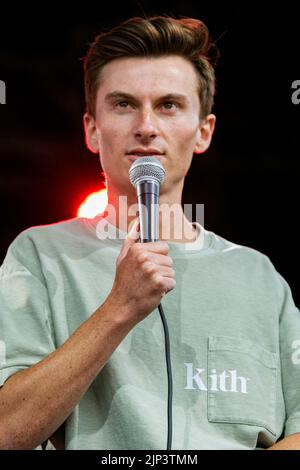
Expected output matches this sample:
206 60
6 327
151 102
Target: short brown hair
153 37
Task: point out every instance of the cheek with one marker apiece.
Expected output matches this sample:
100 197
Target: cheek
108 139
112 134
185 137
183 140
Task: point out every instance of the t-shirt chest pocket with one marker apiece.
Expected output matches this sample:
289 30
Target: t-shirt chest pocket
242 382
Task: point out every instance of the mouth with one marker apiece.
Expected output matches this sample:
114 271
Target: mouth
135 154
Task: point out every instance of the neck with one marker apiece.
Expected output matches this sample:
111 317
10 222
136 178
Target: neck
173 224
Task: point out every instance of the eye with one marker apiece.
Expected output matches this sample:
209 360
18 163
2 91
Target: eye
170 105
123 104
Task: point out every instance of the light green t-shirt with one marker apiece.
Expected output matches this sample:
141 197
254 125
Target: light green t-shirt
234 334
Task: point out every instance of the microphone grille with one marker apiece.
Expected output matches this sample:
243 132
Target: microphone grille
146 168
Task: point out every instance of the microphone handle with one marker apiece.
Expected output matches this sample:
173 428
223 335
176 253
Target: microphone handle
148 193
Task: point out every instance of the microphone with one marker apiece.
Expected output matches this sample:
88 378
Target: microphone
147 174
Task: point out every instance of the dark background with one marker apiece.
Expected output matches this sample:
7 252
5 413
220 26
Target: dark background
248 179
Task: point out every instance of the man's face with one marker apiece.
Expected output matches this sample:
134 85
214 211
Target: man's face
148 106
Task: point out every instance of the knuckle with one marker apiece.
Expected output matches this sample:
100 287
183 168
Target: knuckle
165 246
135 249
159 282
171 285
170 260
149 268
162 246
142 257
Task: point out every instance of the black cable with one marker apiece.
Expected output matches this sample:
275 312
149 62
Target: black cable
169 373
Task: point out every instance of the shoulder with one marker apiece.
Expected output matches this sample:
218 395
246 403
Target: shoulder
244 263
36 243
45 234
68 226
236 252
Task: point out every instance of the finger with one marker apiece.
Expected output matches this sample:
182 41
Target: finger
161 260
133 232
131 238
157 247
170 284
165 271
132 235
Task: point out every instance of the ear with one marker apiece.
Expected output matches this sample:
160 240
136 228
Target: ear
205 132
90 130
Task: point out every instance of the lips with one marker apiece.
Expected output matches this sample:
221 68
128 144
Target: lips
135 157
137 153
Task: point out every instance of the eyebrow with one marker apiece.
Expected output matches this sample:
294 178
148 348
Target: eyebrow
120 94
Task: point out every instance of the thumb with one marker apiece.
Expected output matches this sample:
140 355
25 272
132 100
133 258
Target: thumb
133 232
132 236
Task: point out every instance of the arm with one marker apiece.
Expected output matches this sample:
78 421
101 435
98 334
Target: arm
49 390
291 442
36 401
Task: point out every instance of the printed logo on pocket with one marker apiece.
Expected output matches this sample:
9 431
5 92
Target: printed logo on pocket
224 381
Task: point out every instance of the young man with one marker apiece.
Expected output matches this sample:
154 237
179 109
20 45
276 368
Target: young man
81 340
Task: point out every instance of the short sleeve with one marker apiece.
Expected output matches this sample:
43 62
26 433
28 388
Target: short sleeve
290 359
26 335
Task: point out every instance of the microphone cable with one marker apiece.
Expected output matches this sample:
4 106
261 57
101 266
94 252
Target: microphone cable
169 373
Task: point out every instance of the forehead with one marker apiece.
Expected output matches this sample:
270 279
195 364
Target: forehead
158 75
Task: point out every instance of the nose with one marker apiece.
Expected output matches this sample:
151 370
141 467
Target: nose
146 127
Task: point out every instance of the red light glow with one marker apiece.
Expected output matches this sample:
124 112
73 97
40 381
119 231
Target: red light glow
95 203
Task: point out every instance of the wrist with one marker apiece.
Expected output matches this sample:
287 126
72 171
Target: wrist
120 312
